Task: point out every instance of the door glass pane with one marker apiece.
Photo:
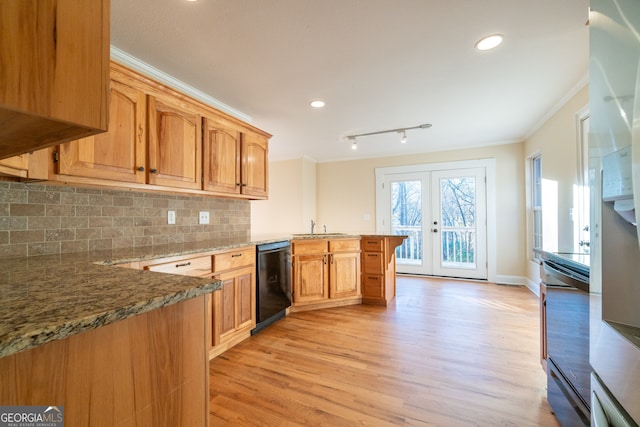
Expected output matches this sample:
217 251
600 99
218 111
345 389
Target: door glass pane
458 222
406 219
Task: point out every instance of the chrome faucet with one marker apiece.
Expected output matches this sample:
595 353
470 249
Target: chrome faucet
313 225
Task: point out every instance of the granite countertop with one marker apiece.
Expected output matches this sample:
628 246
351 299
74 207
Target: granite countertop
51 297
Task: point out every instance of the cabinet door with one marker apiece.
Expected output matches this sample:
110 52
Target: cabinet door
54 74
345 275
118 154
224 309
221 158
175 142
234 306
373 286
255 162
15 166
310 278
246 298
373 262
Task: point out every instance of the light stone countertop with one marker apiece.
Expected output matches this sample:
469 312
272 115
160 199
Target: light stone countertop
46 298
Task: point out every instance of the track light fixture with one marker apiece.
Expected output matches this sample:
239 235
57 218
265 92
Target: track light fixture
402 131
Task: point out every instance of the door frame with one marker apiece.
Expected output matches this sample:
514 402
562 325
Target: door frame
490 168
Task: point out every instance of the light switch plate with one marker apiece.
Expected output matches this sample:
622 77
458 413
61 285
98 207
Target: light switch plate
171 217
203 217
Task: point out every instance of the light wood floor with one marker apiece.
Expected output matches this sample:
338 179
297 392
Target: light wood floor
445 353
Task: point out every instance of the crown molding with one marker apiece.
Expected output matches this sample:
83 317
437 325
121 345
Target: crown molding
142 67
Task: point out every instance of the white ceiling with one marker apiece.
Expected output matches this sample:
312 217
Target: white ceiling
378 64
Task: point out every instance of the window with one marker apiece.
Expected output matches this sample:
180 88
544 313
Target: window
536 199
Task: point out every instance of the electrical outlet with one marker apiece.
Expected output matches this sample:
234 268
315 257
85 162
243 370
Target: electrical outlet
171 217
203 217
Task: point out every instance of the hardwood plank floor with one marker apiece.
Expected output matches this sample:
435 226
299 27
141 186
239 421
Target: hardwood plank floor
445 353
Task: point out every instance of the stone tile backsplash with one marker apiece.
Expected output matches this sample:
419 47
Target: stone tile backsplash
37 219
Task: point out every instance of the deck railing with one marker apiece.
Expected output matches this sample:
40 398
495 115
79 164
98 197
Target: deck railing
410 252
458 245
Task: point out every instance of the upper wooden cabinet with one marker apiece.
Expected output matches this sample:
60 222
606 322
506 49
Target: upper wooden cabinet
175 141
54 72
255 162
235 162
221 157
158 140
28 166
165 127
120 153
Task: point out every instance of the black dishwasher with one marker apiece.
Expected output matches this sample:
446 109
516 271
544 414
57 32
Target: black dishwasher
273 282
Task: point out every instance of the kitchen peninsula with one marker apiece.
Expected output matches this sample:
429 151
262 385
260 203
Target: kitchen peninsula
124 346
113 346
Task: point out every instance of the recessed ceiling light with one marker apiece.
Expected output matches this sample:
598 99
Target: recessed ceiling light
317 103
489 42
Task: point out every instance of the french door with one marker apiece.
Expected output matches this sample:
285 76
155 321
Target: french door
444 214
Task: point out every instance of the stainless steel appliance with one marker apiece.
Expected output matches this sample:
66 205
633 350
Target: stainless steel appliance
273 282
614 151
567 333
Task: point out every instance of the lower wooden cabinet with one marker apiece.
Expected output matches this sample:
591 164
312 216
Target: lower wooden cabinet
147 370
344 269
325 273
379 268
233 308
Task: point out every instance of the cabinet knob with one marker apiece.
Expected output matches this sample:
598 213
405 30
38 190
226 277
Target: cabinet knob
244 185
154 171
237 184
141 168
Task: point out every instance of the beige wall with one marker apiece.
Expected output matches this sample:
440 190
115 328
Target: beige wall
557 142
292 199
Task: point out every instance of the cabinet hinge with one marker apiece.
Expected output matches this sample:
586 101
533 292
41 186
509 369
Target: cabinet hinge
56 156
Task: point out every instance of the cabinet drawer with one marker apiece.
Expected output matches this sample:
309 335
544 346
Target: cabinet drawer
311 246
373 262
234 259
199 266
372 286
372 244
344 245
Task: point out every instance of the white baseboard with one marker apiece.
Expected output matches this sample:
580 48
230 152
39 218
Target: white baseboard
518 281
